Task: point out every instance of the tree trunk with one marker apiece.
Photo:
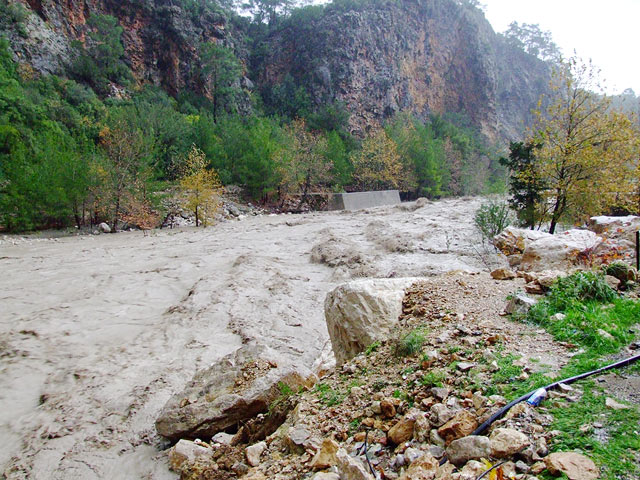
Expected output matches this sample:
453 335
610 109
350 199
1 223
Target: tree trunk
196 216
116 214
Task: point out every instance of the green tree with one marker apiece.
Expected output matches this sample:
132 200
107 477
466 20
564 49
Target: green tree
585 148
100 60
526 184
530 38
301 163
125 171
221 71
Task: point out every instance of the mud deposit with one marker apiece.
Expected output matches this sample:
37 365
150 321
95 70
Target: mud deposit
97 332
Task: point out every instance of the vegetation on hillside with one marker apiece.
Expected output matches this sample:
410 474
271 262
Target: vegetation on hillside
83 150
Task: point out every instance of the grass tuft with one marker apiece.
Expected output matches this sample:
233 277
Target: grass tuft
411 343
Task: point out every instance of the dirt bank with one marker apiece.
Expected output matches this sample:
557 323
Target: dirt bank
97 332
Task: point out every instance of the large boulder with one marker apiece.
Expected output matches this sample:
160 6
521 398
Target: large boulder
563 251
514 241
238 387
361 312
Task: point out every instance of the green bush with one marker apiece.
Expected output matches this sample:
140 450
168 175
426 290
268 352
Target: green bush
492 218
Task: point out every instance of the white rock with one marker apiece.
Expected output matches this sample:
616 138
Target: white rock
253 453
614 405
186 451
351 468
361 312
559 252
222 438
104 228
507 441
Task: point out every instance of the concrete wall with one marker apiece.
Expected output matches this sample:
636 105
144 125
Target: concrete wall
359 200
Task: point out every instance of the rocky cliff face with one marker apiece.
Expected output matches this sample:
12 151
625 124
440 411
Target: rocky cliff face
160 37
420 56
378 58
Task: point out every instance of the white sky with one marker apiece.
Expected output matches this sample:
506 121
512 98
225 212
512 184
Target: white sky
607 31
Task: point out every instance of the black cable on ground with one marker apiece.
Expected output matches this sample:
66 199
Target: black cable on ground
500 413
491 470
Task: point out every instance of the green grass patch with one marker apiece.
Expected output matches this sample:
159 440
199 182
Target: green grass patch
328 395
584 311
372 348
434 378
612 446
411 343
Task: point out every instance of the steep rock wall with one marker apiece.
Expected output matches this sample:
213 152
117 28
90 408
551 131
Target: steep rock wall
160 38
420 56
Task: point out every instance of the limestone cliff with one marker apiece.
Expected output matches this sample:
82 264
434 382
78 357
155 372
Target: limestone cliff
423 56
160 37
377 57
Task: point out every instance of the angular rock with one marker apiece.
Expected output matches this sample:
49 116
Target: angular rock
402 431
326 456
326 476
387 409
614 405
424 468
253 453
222 438
104 228
351 468
503 274
574 465
362 312
472 470
519 304
235 389
440 414
186 451
473 447
507 441
513 241
461 425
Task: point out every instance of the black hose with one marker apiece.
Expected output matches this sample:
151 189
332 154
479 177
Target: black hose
500 413
551 386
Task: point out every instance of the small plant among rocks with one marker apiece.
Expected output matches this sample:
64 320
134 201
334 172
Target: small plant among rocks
410 343
492 218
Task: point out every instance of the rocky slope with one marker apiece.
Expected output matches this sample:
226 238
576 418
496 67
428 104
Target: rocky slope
423 57
377 58
160 37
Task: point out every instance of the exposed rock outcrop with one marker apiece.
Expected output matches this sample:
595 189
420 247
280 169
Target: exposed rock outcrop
235 389
429 56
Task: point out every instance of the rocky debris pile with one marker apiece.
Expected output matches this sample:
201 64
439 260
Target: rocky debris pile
413 417
608 239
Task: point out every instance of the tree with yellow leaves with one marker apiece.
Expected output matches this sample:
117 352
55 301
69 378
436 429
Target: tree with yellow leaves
301 163
378 165
200 187
586 151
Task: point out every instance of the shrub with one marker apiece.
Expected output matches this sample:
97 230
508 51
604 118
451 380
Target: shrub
492 218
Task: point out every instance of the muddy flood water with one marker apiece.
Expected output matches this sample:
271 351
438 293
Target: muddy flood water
97 332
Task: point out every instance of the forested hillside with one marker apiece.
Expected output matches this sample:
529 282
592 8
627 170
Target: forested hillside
102 102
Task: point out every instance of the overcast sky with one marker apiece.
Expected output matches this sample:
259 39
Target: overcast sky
607 31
